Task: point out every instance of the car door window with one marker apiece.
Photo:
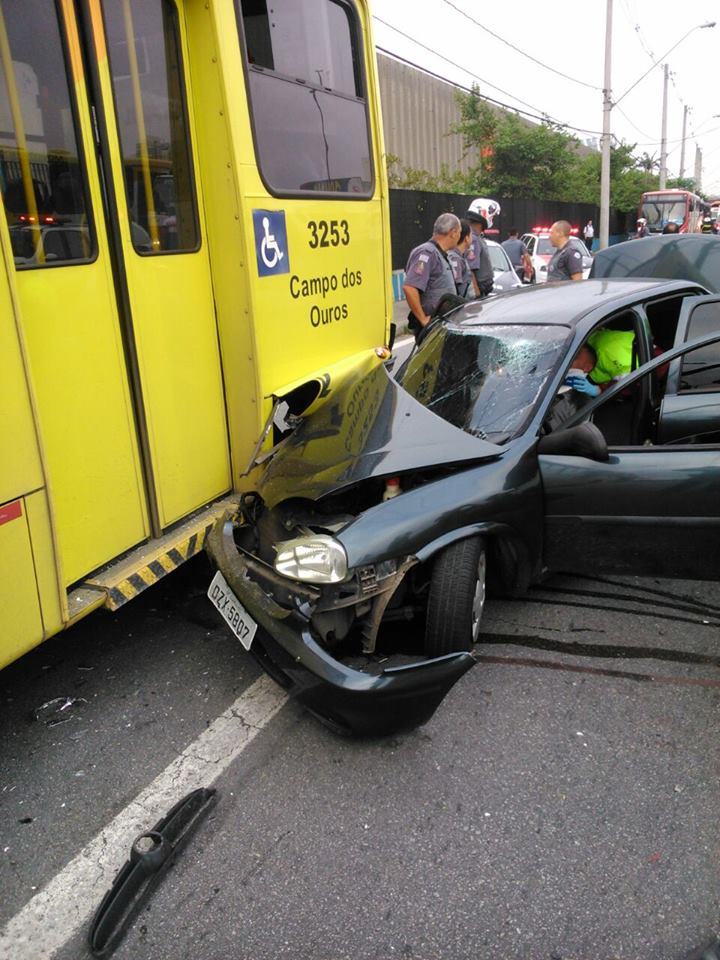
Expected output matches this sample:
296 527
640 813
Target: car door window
700 369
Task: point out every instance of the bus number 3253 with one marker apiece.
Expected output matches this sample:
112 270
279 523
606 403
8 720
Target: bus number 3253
332 234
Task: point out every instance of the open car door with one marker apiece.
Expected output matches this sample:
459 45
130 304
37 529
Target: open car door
652 509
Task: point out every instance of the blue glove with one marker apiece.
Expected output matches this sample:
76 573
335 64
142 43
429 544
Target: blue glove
583 385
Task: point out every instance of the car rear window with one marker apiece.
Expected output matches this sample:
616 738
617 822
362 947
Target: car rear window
486 379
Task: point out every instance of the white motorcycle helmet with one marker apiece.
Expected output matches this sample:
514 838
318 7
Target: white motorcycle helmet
484 207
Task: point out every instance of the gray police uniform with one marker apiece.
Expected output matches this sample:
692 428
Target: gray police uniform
461 272
478 258
428 270
566 261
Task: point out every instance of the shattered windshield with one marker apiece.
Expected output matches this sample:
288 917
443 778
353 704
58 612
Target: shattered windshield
486 379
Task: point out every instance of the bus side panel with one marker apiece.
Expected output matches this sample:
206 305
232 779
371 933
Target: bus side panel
333 299
22 624
39 524
331 302
218 93
19 454
78 371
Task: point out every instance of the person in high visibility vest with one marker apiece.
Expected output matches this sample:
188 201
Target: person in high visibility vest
612 351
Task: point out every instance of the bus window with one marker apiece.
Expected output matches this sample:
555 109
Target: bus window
309 111
41 173
147 74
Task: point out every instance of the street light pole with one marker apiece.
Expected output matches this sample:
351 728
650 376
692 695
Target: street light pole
663 134
682 148
607 107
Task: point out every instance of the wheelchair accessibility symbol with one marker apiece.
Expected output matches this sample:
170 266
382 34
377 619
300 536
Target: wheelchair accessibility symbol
271 247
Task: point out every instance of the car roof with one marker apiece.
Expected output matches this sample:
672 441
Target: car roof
561 302
693 257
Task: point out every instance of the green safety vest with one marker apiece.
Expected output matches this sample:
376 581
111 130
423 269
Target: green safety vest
614 349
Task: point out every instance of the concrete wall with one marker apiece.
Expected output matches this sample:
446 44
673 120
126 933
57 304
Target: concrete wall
418 111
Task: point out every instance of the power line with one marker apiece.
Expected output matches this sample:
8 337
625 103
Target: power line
632 124
537 113
512 46
454 63
654 143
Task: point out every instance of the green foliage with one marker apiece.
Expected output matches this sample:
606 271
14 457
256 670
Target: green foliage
410 178
514 158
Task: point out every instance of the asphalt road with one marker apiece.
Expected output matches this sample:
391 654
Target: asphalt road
561 804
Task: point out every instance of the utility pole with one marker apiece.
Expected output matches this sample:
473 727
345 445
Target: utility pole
607 107
682 148
698 169
663 135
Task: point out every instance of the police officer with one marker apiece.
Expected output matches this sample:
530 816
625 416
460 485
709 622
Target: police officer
428 274
478 256
459 264
566 262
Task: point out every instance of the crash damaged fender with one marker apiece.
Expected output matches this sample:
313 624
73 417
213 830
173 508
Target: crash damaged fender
346 699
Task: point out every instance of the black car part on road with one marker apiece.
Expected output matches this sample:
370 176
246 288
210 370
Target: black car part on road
150 856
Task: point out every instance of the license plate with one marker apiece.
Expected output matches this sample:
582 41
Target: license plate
232 611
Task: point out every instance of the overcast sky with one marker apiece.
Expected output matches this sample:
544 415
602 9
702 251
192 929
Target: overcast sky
570 38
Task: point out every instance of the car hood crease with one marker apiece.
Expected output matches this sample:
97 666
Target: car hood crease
370 428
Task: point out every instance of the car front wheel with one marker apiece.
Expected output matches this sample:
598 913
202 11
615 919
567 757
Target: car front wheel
456 599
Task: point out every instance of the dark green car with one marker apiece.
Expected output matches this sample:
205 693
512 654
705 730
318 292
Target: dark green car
469 467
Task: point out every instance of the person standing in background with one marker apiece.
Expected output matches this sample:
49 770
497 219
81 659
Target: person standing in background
589 234
519 257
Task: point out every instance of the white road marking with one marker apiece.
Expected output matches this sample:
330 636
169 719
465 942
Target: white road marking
48 921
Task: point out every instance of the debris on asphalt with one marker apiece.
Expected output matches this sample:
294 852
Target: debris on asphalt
57 710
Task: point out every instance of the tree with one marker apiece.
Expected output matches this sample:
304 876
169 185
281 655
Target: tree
515 158
629 179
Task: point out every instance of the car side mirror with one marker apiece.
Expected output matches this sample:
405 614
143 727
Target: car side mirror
584 440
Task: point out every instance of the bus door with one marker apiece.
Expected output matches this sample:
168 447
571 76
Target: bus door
141 86
104 210
63 277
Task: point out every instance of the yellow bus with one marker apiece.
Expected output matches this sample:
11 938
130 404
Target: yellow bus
195 225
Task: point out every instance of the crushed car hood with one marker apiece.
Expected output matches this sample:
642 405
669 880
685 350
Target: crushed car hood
371 428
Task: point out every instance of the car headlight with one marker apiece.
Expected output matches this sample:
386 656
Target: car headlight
319 559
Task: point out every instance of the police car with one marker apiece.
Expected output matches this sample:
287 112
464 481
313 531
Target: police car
541 250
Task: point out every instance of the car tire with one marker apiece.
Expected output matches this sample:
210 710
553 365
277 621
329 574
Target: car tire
456 598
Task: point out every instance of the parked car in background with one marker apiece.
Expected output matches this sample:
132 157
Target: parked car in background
505 277
403 496
689 256
541 251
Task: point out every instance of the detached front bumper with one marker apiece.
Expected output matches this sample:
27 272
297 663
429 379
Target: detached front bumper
345 698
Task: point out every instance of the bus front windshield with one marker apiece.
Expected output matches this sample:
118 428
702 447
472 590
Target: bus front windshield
663 210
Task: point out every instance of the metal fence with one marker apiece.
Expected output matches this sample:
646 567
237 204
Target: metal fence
413 212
